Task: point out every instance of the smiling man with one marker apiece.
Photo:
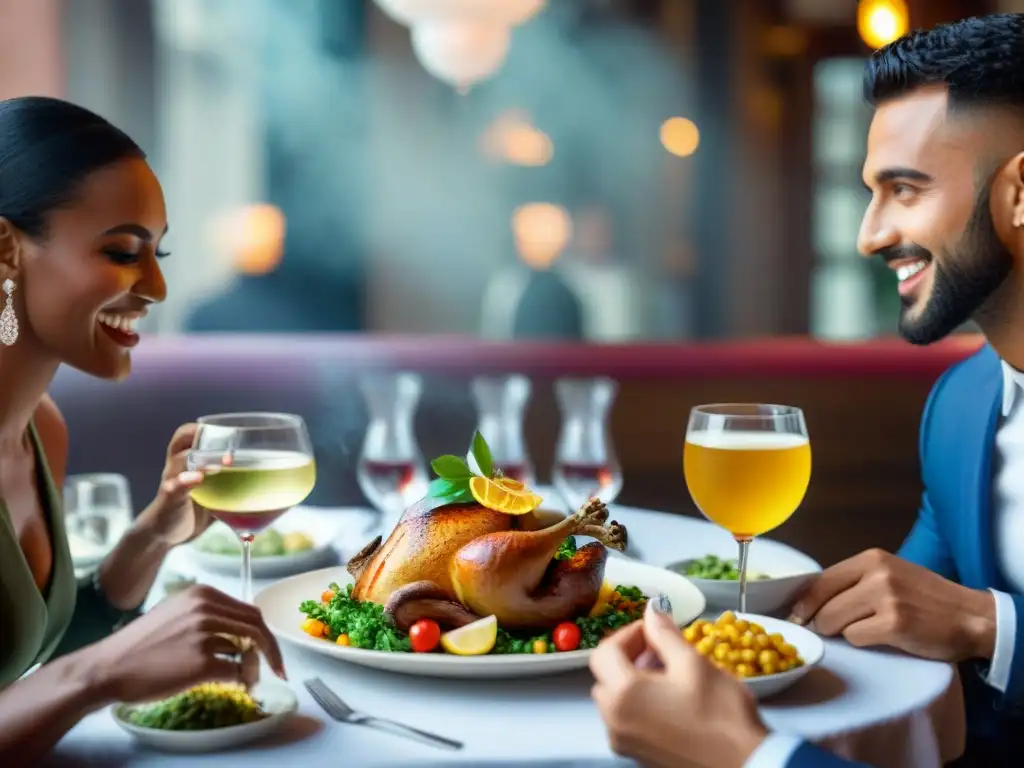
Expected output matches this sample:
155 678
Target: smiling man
945 167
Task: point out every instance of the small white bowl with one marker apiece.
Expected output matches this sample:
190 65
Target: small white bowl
306 520
790 572
810 647
277 699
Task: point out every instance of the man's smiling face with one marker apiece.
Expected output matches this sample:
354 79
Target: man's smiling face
930 214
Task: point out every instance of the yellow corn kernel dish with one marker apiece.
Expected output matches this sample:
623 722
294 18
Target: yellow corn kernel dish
742 648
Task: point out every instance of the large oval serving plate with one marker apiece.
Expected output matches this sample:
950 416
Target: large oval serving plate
280 606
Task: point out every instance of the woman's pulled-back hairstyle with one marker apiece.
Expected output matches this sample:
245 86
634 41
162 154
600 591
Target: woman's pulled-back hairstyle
47 149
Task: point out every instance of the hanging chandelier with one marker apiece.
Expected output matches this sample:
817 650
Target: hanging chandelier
461 42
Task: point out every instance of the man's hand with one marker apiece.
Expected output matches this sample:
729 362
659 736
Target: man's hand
877 598
689 713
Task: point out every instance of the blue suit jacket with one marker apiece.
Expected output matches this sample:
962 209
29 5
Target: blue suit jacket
953 532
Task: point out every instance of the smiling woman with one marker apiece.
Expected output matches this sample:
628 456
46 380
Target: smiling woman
81 219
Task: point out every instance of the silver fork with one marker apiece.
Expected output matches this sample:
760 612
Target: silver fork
342 712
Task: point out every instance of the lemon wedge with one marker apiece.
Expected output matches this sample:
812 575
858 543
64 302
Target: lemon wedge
497 495
604 597
474 639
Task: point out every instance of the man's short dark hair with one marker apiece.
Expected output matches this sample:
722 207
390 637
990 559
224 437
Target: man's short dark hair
980 61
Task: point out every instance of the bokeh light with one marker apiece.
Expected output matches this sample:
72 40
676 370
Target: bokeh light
253 237
680 136
541 230
879 22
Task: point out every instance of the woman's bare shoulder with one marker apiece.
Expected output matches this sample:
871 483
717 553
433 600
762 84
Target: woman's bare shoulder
53 434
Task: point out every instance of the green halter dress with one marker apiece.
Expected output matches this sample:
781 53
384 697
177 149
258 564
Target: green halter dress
68 614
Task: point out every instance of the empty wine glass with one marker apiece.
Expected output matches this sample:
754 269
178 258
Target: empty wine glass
97 513
257 466
585 462
501 405
392 472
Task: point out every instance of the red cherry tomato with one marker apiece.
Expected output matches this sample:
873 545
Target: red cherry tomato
424 635
566 636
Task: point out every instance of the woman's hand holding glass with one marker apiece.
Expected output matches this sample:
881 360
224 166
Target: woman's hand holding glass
172 516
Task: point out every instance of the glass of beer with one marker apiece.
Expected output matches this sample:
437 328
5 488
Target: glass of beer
747 468
256 467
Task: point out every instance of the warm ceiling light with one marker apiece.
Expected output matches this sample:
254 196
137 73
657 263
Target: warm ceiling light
541 230
253 235
680 136
512 139
879 22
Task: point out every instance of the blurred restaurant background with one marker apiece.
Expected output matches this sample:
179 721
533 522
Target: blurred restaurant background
677 181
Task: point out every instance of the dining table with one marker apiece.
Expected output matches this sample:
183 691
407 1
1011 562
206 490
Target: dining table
881 707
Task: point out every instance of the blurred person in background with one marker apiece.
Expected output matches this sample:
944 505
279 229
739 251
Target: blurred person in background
945 167
532 300
81 220
612 298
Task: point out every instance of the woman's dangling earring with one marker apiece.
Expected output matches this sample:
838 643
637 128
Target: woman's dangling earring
8 320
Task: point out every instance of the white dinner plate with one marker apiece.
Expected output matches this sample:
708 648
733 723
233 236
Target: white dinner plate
276 698
280 606
349 522
809 646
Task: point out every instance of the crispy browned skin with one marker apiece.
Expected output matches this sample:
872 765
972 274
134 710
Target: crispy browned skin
512 574
481 559
421 547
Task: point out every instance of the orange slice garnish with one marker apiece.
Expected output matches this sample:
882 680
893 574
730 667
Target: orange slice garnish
496 496
510 484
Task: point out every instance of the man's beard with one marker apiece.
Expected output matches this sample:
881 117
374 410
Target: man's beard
963 278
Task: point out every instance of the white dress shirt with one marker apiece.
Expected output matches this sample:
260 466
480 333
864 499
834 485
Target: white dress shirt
1008 536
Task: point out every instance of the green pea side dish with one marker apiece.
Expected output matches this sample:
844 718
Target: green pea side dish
718 569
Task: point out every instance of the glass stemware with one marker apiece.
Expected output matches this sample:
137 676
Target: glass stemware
392 472
747 467
256 467
585 462
97 513
501 404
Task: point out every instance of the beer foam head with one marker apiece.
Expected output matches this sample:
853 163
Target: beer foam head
737 440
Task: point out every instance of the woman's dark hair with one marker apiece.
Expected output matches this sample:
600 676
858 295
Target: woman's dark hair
979 60
47 149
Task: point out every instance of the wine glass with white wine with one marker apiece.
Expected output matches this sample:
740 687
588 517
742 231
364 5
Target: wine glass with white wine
257 466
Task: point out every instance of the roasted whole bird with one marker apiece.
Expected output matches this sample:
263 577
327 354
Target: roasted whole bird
455 563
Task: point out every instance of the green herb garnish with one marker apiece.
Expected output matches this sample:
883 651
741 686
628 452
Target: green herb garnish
364 622
453 473
566 549
366 626
625 607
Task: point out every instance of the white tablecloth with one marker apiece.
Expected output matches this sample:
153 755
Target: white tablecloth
883 708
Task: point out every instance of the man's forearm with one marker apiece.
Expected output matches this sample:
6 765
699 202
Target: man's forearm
38 710
128 573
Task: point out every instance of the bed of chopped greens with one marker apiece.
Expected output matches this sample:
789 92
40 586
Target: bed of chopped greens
202 708
338 618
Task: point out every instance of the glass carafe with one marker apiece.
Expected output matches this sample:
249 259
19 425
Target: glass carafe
392 472
501 409
585 462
